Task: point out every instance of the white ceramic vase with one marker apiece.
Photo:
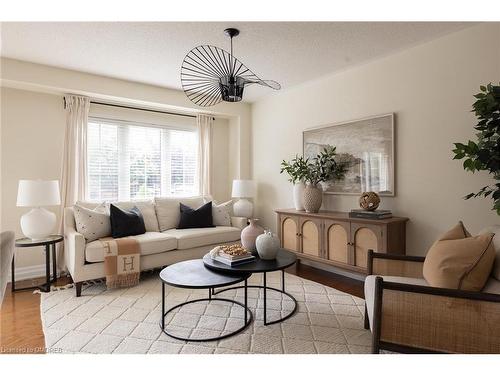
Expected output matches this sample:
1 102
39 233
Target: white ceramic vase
250 233
267 245
298 195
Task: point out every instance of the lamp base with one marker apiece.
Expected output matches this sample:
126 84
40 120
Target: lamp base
38 224
243 208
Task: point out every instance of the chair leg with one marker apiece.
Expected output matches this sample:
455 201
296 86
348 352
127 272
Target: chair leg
367 320
78 288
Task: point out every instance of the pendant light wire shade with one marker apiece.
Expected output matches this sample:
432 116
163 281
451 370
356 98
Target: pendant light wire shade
210 75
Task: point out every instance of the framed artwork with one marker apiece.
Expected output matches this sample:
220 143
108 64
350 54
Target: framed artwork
368 146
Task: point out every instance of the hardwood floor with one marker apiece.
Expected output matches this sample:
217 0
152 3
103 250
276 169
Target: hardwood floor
21 326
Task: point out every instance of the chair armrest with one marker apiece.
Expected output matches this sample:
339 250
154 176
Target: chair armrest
395 265
415 318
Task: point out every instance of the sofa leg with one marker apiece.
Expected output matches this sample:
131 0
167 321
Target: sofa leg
78 288
367 321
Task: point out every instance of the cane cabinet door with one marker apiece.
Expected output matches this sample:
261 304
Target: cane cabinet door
310 236
289 233
336 240
365 237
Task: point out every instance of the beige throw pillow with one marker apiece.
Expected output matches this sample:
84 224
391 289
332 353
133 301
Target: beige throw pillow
221 213
168 210
460 261
92 224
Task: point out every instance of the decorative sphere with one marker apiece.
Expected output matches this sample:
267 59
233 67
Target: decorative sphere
369 201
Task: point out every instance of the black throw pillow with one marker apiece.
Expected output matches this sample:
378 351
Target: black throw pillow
126 222
200 218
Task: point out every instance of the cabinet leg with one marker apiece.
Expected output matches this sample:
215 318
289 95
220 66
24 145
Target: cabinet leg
78 288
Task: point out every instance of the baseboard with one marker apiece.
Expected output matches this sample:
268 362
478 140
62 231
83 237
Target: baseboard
29 272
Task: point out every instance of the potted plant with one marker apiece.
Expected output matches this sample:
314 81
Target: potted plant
324 167
296 170
484 153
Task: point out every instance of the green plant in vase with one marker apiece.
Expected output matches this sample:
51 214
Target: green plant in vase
296 170
323 168
483 154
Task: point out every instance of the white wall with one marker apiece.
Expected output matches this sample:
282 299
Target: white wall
32 135
429 88
31 148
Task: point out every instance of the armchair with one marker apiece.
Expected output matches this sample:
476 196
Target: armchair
407 315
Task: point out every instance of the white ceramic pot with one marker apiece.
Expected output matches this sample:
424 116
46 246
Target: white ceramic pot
250 233
298 195
267 245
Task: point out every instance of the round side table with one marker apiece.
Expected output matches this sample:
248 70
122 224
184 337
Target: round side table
49 243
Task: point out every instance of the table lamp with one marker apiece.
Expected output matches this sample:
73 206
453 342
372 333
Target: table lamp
39 223
243 189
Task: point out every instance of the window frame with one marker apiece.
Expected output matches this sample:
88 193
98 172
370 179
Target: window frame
165 182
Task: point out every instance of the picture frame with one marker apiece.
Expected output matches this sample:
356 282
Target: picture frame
368 144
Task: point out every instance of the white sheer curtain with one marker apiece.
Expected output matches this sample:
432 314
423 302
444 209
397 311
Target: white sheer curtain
74 168
204 123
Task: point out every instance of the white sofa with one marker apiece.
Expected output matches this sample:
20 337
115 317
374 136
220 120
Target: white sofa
161 245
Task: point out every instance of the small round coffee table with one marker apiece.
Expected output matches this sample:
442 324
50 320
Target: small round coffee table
283 260
192 274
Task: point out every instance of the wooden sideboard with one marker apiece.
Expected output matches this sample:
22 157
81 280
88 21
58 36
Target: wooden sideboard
336 239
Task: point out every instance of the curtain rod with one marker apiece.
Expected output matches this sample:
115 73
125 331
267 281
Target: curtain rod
142 109
139 109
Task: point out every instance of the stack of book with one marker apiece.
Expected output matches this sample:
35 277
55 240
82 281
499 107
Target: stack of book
376 215
234 260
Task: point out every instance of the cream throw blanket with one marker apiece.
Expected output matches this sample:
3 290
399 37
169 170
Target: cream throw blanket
122 265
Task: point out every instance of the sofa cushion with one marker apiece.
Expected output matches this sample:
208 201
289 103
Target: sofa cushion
460 261
195 237
150 243
126 223
196 218
168 210
146 206
92 223
222 212
370 290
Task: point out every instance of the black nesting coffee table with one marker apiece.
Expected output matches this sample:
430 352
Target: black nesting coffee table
192 274
283 260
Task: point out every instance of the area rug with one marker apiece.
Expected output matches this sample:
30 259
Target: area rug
127 320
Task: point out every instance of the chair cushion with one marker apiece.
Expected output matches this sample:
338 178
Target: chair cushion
370 290
196 237
460 261
168 210
150 243
492 286
495 229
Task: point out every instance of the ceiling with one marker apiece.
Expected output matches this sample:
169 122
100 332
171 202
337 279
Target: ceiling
152 52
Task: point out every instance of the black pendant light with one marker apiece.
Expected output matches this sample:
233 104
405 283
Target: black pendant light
210 75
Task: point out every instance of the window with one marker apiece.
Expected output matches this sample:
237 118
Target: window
138 161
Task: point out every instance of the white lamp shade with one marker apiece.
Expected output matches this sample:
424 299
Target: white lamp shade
243 189
38 193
